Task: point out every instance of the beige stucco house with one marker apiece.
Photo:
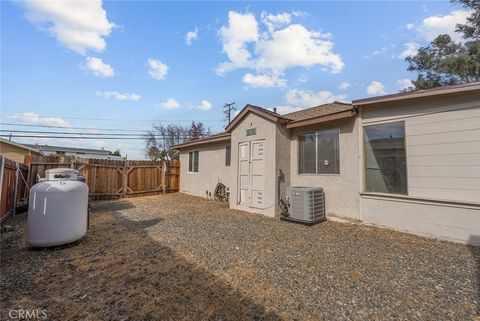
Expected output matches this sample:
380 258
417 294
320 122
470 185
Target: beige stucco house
407 161
15 151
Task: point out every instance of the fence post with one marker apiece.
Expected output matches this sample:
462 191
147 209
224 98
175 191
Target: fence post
15 189
2 164
164 177
125 178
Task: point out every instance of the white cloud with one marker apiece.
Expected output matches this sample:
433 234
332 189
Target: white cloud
157 69
295 46
32 118
98 68
78 25
344 86
265 81
281 46
241 29
405 84
118 96
411 49
308 98
190 36
433 26
298 99
204 105
170 103
376 88
274 21
410 26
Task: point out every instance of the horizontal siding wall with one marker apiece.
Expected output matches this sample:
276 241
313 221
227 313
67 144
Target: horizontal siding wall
439 155
442 146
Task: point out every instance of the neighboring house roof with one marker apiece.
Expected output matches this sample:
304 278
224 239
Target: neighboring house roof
470 87
210 139
24 146
49 148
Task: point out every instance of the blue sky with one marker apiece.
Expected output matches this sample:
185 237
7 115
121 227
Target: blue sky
131 64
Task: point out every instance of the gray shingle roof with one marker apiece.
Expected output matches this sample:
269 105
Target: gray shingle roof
322 110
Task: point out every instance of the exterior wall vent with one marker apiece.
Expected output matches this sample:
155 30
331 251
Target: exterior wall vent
306 204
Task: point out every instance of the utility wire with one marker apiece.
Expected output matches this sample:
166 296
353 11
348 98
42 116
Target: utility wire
118 119
82 137
88 134
66 127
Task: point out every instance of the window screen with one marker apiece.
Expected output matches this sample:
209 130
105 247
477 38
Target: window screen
228 155
307 154
327 152
319 153
385 160
193 161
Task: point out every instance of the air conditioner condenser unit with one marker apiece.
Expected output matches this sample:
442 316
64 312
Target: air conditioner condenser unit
305 204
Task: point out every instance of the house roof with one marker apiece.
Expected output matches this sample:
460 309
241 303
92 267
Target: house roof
469 87
221 137
262 112
50 148
322 110
24 146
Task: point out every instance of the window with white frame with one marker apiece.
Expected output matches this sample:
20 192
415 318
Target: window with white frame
193 161
318 153
385 158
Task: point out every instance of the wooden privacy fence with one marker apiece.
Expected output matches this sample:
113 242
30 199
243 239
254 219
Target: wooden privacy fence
14 189
112 179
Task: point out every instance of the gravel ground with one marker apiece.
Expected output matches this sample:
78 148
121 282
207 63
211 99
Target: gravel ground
178 257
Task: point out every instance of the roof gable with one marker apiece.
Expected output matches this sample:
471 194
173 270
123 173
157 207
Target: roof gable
267 114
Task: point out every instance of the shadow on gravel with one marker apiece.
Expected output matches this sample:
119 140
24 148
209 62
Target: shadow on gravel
117 272
100 206
475 249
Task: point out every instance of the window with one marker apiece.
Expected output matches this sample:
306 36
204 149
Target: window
319 153
228 155
193 162
385 160
251 131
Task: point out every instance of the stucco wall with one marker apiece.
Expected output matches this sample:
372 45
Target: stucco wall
283 159
266 130
211 170
341 190
442 137
14 153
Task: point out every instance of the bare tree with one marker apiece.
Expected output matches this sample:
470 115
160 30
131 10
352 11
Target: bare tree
159 140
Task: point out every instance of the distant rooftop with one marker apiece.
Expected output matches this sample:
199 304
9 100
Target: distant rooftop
50 148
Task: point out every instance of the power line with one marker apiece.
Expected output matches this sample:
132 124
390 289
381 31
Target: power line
116 119
67 127
81 133
85 137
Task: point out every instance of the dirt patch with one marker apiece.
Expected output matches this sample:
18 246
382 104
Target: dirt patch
177 257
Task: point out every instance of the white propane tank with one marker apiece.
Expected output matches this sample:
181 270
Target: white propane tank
58 209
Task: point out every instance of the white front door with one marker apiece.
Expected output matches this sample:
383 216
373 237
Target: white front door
251 171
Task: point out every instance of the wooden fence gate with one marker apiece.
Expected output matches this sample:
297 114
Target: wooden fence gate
14 190
113 179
